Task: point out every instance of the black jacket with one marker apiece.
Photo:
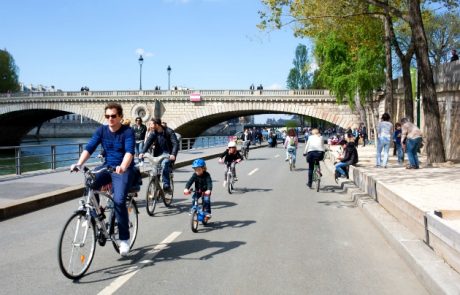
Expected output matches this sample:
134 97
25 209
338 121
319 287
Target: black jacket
351 154
139 131
171 142
202 183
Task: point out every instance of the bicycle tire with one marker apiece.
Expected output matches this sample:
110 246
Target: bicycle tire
133 226
81 258
290 164
229 183
194 221
151 198
168 201
318 183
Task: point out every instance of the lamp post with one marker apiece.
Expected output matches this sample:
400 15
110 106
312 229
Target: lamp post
169 77
141 61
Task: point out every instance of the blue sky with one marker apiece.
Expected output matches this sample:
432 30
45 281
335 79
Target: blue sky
209 44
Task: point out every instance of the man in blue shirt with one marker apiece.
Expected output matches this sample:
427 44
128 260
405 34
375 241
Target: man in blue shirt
166 143
118 142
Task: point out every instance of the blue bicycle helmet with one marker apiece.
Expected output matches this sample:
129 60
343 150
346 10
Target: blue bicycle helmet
198 163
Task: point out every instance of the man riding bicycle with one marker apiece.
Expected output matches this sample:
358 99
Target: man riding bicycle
165 143
314 150
230 157
118 142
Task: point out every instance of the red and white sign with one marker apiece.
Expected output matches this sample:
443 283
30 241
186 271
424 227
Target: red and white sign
195 97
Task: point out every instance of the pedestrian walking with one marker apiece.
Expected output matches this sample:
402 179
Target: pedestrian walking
398 144
411 138
384 133
139 132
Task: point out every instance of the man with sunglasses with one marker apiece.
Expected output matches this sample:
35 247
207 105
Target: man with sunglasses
165 141
118 141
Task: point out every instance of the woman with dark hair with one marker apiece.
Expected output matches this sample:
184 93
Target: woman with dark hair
384 133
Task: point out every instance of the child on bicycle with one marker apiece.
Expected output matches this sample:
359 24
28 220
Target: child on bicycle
203 184
230 157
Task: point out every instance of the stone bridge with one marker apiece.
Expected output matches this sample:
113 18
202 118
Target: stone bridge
189 112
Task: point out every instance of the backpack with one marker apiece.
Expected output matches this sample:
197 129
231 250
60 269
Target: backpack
292 141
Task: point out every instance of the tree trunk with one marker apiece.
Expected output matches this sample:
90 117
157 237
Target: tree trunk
434 142
389 68
408 98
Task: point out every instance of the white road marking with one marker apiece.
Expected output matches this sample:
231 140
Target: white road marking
253 171
277 156
130 272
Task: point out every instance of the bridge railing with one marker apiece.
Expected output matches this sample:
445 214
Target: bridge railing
168 93
27 158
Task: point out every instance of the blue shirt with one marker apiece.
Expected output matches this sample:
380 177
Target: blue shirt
115 144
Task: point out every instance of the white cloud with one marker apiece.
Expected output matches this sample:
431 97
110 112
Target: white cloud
141 51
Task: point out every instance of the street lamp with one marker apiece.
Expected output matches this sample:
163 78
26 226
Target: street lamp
141 61
169 77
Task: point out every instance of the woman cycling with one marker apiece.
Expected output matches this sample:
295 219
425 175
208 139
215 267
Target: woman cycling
314 150
230 157
290 144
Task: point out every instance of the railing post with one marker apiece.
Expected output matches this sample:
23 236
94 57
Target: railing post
180 144
53 157
17 160
188 144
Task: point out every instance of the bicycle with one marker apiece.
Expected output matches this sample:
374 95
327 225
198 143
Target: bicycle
77 242
155 192
197 213
229 178
317 175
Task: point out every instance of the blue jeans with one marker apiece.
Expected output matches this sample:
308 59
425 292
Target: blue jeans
206 201
339 168
165 171
138 147
120 186
291 150
399 152
382 143
411 150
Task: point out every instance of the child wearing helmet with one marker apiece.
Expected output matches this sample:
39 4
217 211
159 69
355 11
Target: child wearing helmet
203 183
230 157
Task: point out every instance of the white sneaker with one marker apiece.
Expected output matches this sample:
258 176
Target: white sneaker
124 247
224 184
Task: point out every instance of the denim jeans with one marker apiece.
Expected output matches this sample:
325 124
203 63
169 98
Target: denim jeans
138 147
165 170
293 151
339 168
120 186
382 143
411 150
206 202
400 153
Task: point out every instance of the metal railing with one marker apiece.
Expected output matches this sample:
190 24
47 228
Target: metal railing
27 158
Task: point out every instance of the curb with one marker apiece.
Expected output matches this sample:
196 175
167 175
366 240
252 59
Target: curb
431 270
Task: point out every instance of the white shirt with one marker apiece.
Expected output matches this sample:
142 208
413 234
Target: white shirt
314 143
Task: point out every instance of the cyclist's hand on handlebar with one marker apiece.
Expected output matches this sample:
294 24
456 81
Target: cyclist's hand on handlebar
172 157
207 193
75 168
186 191
238 160
141 156
221 161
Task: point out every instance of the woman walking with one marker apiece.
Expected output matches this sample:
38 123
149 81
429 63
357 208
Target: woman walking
384 133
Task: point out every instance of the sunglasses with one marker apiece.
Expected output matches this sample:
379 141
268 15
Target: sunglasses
111 116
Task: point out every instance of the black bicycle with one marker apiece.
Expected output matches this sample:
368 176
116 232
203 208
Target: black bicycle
93 221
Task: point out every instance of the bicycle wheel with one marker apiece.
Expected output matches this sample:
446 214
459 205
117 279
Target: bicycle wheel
167 198
194 221
318 183
290 163
133 226
230 182
77 245
152 196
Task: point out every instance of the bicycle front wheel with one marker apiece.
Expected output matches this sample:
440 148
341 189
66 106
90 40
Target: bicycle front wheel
194 221
77 245
230 182
133 226
152 196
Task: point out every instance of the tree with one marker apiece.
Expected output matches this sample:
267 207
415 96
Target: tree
443 34
8 73
299 78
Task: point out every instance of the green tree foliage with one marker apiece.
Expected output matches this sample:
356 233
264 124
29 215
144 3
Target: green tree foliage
299 77
443 34
8 73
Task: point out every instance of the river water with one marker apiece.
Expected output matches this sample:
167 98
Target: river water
37 155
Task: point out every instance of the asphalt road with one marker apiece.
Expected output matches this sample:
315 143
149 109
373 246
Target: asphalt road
272 236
